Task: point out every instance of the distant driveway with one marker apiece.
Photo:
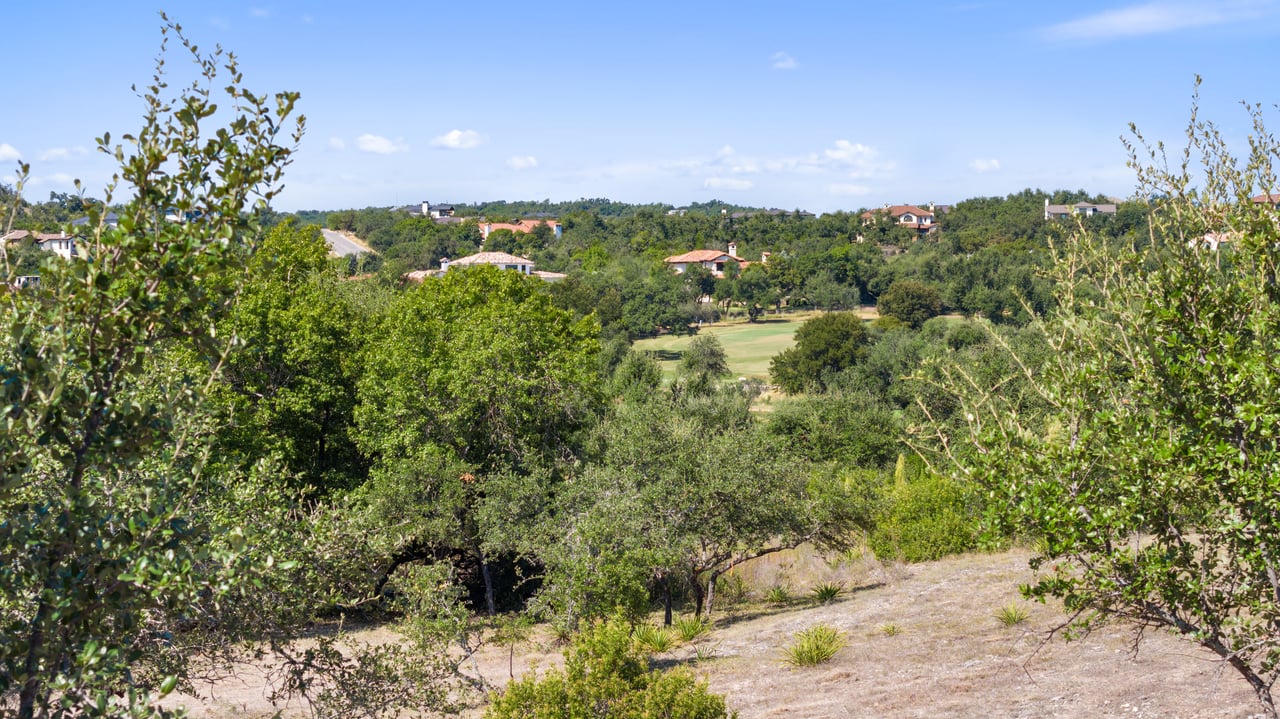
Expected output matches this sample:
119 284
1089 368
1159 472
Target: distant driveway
342 245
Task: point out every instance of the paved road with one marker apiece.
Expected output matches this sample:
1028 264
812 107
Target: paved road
341 245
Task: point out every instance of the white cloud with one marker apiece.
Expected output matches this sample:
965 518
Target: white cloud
260 12
727 183
985 165
860 160
62 153
784 61
9 152
337 143
380 145
725 151
57 178
527 162
848 190
1156 17
458 140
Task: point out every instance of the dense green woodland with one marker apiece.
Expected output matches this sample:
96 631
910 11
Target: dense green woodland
215 435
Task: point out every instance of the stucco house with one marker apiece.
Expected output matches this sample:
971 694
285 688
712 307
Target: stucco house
915 218
1086 209
60 243
523 226
501 260
1270 198
714 260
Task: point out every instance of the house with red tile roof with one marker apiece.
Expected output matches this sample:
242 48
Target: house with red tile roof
60 243
714 260
909 216
501 260
1271 198
523 226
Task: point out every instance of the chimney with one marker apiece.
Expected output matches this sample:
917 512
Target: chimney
444 263
733 249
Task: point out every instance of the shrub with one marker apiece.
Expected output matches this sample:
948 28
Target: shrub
606 675
925 518
690 628
813 646
655 639
779 594
890 629
1012 614
827 592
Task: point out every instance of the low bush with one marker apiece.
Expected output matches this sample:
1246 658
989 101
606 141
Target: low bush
925 518
1012 614
690 628
606 675
813 646
655 639
827 592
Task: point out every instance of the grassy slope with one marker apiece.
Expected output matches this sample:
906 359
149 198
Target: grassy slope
749 346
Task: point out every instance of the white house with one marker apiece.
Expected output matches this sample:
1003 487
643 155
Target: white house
909 216
60 243
1086 209
714 260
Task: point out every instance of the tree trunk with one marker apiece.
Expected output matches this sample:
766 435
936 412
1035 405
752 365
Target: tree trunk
711 592
489 602
698 595
666 600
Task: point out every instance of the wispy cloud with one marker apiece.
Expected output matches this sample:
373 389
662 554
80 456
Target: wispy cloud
526 162
458 140
984 165
260 12
337 143
380 145
9 152
62 153
784 61
727 183
1160 16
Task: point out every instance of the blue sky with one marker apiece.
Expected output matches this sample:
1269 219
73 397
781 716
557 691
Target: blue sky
816 105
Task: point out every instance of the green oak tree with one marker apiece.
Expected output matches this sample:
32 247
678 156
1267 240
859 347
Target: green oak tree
468 378
825 344
911 301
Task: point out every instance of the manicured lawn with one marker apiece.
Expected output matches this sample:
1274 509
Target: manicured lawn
749 346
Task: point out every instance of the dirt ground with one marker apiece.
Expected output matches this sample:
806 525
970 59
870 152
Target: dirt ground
945 655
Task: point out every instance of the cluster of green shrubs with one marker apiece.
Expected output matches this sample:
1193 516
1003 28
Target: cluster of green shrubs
924 516
606 674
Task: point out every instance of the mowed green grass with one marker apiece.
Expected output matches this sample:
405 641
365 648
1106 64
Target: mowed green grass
748 346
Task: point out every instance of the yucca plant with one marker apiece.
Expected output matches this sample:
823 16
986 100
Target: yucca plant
1011 614
655 639
827 592
690 628
813 646
779 594
890 629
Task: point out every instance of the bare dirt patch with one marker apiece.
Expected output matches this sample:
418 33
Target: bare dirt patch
950 655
